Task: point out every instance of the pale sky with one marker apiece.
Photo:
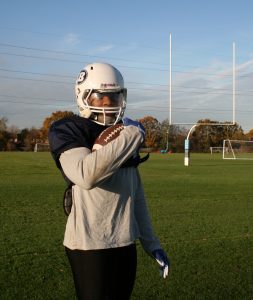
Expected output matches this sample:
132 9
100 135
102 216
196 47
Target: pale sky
44 45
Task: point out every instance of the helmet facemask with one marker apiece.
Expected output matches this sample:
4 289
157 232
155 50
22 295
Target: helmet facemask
104 115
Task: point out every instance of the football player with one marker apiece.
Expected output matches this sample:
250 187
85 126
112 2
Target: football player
108 211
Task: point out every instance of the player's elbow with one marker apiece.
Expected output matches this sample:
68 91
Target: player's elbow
87 182
87 185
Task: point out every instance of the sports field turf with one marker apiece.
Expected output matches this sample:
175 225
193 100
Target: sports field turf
203 215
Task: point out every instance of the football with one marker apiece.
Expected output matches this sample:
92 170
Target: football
108 135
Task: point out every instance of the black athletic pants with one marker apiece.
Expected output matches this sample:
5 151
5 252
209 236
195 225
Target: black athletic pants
106 274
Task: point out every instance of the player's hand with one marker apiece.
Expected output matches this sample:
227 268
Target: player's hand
163 261
128 122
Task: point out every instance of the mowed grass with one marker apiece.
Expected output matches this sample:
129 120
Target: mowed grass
203 215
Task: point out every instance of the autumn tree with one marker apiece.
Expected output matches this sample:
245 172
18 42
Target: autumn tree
153 131
172 137
3 124
27 138
249 135
12 139
206 136
49 120
4 136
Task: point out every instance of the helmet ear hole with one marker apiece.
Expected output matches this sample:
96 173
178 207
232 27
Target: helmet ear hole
85 94
85 113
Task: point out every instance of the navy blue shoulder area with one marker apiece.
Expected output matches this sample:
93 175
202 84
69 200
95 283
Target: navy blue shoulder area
72 132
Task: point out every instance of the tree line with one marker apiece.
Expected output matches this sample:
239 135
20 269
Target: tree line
14 139
159 135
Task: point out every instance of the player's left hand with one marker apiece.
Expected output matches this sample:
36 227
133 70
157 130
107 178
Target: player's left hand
163 261
129 122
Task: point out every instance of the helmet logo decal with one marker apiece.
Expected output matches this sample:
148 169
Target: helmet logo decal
106 85
82 76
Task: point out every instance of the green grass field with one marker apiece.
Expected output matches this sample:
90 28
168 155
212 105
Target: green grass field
203 215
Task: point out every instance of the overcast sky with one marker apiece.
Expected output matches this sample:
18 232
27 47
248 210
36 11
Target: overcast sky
44 45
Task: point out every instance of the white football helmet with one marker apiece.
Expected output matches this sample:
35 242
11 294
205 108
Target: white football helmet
94 82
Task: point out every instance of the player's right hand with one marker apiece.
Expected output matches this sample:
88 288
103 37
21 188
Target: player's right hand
163 261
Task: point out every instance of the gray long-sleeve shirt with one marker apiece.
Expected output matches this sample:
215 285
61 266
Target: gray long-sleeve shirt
109 207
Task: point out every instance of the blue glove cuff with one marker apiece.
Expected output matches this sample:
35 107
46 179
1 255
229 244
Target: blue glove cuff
129 122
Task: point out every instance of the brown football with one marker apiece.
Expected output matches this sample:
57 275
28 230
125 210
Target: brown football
108 135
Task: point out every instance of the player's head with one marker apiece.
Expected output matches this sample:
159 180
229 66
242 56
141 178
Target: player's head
100 93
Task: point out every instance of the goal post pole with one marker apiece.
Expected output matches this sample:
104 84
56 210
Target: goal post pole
223 150
186 152
170 84
187 147
233 100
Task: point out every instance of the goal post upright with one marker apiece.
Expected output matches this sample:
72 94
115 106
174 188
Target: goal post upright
170 84
187 141
234 83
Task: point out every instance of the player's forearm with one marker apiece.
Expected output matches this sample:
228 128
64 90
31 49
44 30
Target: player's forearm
147 237
87 169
